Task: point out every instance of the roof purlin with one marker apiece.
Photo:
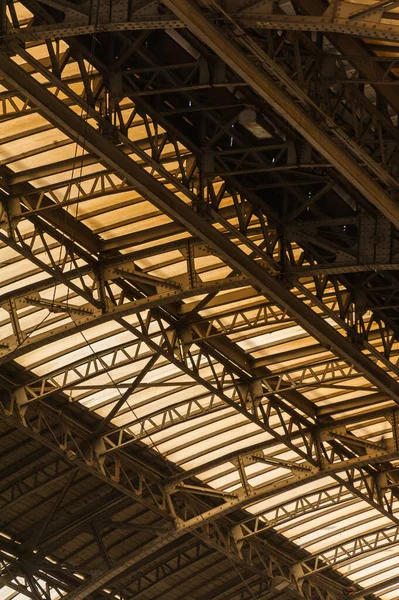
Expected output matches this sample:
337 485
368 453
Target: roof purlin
244 357
174 207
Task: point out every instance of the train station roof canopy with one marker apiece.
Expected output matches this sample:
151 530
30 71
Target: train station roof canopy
199 294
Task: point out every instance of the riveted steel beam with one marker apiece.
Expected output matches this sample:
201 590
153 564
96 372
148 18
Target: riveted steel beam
203 524
283 104
344 21
314 271
355 48
160 196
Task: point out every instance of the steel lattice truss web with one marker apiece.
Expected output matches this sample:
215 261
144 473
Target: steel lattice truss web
199 328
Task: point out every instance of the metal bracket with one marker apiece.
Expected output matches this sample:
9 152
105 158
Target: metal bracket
10 213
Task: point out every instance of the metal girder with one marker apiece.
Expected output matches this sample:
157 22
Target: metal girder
365 489
357 329
360 56
154 191
388 414
76 376
105 71
344 20
387 129
231 589
342 553
34 586
130 88
79 21
38 477
47 421
341 24
245 204
280 127
372 242
88 511
85 316
147 577
120 267
262 83
386 584
329 268
61 437
202 224
323 502
113 264
358 490
362 126
246 403
65 269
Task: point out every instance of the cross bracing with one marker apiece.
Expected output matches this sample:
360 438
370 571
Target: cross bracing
199 338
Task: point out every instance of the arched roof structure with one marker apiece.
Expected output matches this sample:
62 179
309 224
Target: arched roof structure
199 324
